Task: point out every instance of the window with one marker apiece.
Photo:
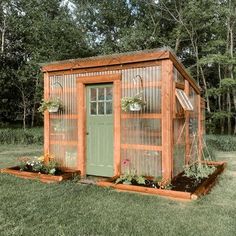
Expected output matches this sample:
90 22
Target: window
101 101
184 100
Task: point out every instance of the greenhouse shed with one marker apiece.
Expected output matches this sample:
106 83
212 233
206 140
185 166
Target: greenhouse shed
100 133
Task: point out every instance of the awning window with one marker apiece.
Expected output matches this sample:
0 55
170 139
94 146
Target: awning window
184 100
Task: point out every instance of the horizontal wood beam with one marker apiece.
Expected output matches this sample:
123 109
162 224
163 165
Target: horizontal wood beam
108 60
64 116
98 79
146 84
64 143
141 116
141 147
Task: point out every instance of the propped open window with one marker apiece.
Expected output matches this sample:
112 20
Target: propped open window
184 100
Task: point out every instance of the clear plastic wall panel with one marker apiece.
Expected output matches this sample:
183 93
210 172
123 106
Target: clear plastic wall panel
193 126
63 130
66 156
179 145
63 124
141 131
178 77
141 162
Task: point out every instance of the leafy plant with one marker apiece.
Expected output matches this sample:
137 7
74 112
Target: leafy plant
126 102
50 103
198 171
130 179
44 164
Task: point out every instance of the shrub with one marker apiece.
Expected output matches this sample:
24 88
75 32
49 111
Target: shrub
20 136
222 142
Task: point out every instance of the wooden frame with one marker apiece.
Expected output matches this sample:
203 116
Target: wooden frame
117 63
167 118
81 83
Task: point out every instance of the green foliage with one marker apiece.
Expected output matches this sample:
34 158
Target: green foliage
221 142
127 101
21 136
50 103
198 171
35 164
129 178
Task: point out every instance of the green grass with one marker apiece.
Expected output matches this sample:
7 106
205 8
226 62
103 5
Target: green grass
32 208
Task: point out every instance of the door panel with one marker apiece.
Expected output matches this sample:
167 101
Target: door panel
99 106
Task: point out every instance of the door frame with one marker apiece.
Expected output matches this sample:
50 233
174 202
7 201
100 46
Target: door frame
81 83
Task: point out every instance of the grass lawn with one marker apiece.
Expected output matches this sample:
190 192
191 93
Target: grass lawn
32 208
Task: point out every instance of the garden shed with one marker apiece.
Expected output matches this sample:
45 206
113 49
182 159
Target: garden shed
96 134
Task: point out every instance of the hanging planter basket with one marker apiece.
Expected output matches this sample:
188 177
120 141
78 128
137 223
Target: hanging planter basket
52 105
53 109
135 107
133 104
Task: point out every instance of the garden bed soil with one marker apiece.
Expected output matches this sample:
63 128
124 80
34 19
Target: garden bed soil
63 174
183 188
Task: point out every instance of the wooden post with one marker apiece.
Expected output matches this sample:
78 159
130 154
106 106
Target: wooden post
46 116
81 128
199 128
117 121
167 119
187 136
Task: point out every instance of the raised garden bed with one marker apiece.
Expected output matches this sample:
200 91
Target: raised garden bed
64 174
183 187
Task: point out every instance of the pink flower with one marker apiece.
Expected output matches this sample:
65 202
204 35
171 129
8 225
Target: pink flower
125 162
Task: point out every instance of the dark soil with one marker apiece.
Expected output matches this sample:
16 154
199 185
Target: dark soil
58 171
185 184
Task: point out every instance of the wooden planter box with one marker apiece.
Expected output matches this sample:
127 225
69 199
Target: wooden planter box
67 174
203 189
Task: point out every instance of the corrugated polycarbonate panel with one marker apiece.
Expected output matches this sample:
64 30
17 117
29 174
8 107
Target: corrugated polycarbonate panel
141 131
179 145
63 125
178 77
193 126
138 128
141 162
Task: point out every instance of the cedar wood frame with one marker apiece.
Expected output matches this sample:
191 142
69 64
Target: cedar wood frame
166 59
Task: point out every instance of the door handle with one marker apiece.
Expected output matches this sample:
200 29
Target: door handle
87 133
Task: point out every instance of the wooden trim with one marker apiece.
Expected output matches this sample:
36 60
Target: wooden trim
141 147
117 126
98 79
109 60
46 115
146 84
199 128
167 118
107 68
38 176
81 82
187 135
64 116
141 116
179 85
81 128
167 193
64 143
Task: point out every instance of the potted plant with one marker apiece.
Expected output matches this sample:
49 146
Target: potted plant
52 105
132 103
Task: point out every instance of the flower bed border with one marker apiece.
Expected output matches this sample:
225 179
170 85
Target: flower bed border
203 189
67 174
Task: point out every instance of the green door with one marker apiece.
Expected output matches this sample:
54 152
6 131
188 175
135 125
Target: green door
99 106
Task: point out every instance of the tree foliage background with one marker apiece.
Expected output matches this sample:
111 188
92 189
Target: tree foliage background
202 33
